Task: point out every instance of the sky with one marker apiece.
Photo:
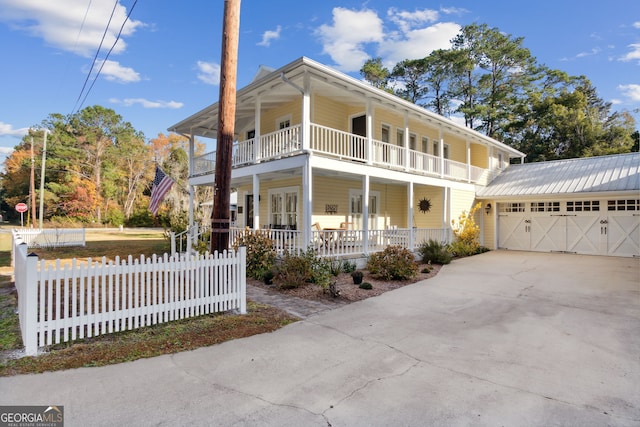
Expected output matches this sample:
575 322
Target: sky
164 66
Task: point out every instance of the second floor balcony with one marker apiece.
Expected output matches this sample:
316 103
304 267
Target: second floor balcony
344 146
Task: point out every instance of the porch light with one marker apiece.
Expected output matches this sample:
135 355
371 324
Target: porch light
487 208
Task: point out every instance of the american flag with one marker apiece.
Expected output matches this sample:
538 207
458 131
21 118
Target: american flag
161 185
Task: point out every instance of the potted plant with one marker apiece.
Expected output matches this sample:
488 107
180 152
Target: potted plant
357 277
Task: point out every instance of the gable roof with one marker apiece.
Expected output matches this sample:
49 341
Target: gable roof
615 173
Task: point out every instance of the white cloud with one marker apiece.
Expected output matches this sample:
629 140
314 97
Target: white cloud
6 150
631 91
453 10
409 20
268 36
419 43
145 103
209 72
8 130
593 51
113 71
634 54
357 35
344 40
636 24
59 23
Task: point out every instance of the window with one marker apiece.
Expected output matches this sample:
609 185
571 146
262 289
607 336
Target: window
284 124
283 208
500 160
511 207
624 205
412 141
251 134
583 206
545 206
425 144
436 150
384 135
400 137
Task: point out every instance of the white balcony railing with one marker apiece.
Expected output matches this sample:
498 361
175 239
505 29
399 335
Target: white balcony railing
345 146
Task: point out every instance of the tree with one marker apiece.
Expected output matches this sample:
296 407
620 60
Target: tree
376 74
410 73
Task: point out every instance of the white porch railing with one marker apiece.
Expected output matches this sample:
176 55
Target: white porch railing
342 145
60 304
341 243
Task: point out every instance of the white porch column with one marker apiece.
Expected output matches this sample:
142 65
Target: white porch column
256 137
468 160
446 208
307 203
256 202
306 115
441 150
410 215
368 155
406 141
191 163
365 214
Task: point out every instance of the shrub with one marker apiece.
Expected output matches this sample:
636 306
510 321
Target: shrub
297 269
467 233
365 285
348 266
394 263
268 277
261 256
434 252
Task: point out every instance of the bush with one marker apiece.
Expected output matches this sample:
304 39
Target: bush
365 285
261 256
357 277
394 263
297 269
467 234
434 252
348 266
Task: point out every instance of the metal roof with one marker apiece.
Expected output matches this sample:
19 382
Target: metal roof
615 173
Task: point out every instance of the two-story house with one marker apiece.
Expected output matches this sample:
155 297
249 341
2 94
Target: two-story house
324 159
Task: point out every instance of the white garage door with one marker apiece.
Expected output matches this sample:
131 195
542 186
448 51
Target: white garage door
593 227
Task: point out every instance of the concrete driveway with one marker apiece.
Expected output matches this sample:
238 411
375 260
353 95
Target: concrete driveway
499 339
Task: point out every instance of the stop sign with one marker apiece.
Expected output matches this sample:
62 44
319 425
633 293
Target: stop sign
21 207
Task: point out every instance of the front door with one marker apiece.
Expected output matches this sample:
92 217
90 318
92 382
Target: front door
358 127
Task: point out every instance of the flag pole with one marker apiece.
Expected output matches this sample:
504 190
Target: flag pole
220 218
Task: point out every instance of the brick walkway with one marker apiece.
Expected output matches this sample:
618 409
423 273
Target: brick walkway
298 307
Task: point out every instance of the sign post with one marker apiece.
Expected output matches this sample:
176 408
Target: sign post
22 208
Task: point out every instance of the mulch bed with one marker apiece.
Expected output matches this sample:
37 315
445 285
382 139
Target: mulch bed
348 292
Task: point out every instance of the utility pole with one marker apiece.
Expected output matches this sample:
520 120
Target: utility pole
44 159
32 186
220 218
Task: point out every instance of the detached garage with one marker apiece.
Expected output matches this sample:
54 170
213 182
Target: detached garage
585 206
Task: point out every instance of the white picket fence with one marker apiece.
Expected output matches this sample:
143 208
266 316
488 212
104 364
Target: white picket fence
63 303
52 237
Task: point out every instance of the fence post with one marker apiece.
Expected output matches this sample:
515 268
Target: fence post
242 255
173 243
30 307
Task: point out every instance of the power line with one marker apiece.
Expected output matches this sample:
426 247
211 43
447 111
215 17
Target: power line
93 63
108 53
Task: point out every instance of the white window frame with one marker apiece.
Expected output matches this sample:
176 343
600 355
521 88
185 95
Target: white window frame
283 120
284 213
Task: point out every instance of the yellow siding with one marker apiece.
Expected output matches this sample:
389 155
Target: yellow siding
461 201
433 218
327 112
268 117
457 147
488 225
480 155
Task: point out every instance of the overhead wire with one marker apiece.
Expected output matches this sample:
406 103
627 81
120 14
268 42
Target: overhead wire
108 53
95 58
